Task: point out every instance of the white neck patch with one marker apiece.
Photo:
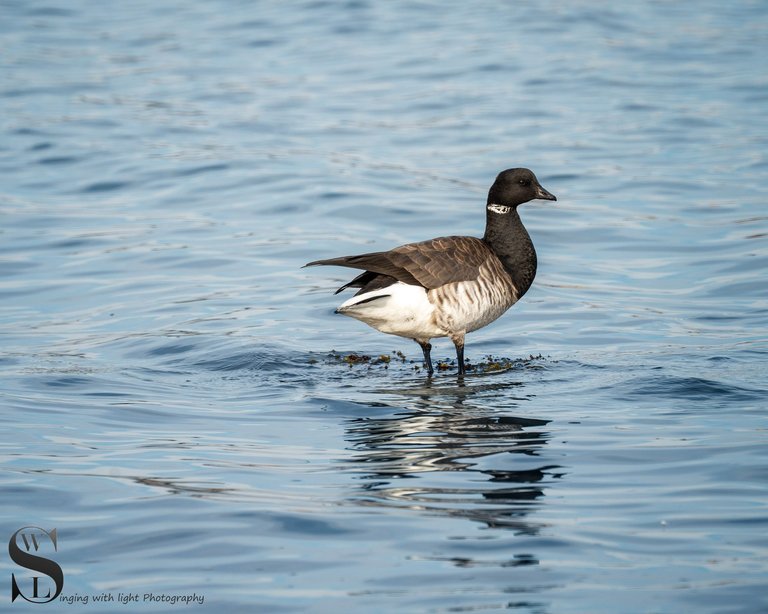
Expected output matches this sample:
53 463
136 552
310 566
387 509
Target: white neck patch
501 209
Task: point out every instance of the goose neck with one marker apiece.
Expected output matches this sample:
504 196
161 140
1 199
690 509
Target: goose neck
510 241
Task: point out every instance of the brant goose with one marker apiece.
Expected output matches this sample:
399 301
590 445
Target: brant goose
449 286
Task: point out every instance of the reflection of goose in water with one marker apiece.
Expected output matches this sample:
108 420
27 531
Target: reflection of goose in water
454 456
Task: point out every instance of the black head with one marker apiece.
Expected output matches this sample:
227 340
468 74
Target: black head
516 186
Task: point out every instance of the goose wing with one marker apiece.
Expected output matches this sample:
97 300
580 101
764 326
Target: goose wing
430 264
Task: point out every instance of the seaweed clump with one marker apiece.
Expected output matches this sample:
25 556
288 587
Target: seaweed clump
354 359
489 364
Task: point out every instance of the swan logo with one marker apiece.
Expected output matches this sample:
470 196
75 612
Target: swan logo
47 579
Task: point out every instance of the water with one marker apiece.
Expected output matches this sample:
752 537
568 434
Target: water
171 402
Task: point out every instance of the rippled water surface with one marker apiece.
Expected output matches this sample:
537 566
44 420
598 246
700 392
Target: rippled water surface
177 398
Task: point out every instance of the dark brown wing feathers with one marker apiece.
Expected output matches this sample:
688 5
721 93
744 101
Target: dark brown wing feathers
431 264
367 282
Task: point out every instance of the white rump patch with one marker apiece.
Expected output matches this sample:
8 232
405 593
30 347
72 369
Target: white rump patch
399 309
502 209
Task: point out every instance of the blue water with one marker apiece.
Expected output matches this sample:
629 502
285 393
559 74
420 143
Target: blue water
175 396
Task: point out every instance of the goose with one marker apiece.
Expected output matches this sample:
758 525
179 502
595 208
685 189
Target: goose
449 286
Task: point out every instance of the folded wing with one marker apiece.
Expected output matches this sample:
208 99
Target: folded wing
430 264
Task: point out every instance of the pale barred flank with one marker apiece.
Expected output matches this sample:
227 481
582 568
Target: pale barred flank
466 306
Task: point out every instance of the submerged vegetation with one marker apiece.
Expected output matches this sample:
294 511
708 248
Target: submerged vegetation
488 364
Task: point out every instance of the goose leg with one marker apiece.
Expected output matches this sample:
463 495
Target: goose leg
458 341
426 347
